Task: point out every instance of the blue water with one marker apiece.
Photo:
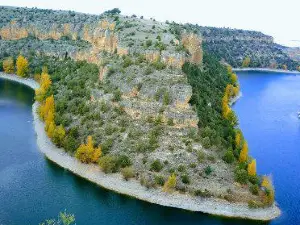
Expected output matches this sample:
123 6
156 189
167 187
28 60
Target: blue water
268 118
33 189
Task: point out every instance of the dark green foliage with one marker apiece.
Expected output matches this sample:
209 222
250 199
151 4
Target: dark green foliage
185 179
208 89
117 95
113 11
181 168
148 43
156 166
254 179
159 180
1 65
208 170
123 161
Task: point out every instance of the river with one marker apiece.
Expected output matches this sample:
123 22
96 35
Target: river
32 188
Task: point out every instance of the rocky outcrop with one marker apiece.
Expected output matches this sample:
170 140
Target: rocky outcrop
192 43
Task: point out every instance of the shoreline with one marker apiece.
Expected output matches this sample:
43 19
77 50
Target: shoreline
132 188
265 70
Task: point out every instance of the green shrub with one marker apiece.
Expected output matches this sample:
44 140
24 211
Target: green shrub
254 179
117 95
228 157
241 176
148 43
128 172
254 189
181 168
185 179
127 62
123 161
206 142
208 170
170 122
166 98
148 70
159 180
108 164
106 146
156 166
200 156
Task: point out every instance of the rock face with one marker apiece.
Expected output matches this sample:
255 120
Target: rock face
192 43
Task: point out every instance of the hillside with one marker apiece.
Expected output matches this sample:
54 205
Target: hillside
234 45
138 97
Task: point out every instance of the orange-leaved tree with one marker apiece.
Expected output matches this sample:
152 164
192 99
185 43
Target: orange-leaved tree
22 66
8 65
86 153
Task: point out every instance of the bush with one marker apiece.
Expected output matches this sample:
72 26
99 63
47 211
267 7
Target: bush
228 157
148 43
108 164
123 161
200 156
206 142
128 172
201 193
117 95
185 179
156 166
208 170
254 179
254 189
159 180
241 176
181 168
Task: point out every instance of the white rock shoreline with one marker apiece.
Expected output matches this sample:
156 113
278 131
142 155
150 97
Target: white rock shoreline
265 70
132 188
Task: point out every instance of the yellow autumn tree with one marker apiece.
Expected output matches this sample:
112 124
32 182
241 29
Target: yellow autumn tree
233 78
269 195
8 65
45 83
170 184
86 153
59 135
244 153
22 66
238 139
298 68
246 62
50 129
252 168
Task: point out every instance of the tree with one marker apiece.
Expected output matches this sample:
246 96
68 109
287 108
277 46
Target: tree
252 168
8 65
170 183
86 153
233 78
269 195
244 153
45 83
59 135
238 139
246 62
22 66
284 67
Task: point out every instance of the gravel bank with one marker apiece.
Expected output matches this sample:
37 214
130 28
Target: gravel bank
265 70
133 188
